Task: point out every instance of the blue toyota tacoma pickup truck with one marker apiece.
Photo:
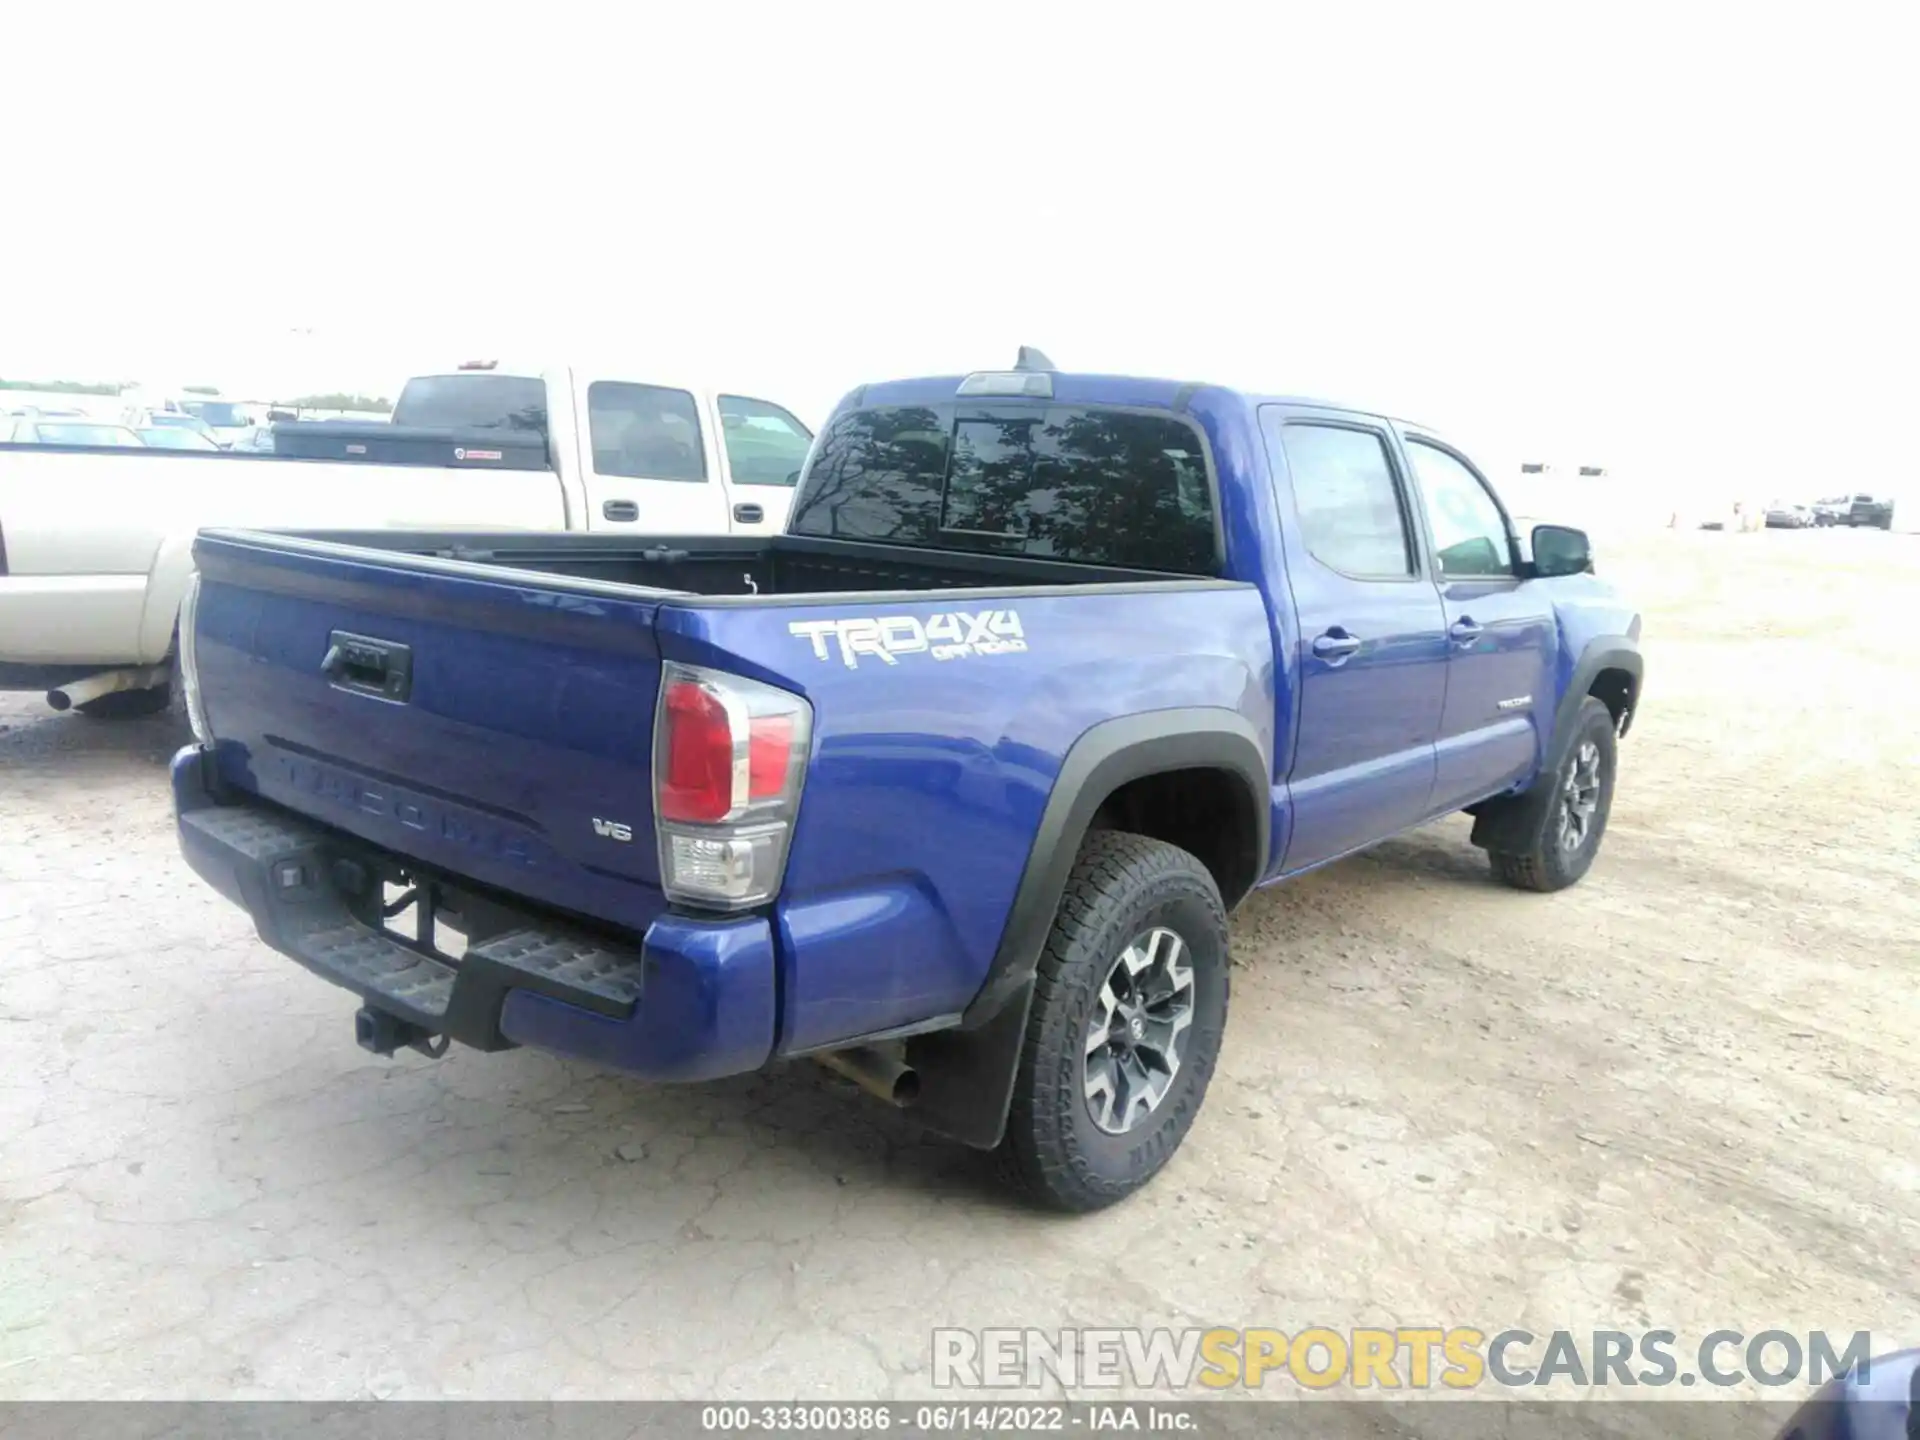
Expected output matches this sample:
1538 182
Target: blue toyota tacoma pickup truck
951 786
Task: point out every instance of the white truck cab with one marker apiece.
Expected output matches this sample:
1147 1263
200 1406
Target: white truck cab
634 449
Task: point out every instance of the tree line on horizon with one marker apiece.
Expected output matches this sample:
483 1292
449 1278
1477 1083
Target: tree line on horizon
329 400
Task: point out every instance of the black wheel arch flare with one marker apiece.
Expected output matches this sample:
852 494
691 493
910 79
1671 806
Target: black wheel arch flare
967 1074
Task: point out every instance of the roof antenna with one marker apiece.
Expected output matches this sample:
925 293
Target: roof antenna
1032 359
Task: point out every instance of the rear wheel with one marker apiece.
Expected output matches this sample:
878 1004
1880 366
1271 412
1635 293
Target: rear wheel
1575 817
1129 1005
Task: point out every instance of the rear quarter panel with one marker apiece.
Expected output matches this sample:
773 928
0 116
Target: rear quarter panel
929 777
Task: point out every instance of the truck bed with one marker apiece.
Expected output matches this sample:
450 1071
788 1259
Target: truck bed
496 722
744 565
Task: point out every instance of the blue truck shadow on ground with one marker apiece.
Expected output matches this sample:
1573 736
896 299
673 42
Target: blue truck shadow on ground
529 1133
520 1150
556 1138
31 734
1441 850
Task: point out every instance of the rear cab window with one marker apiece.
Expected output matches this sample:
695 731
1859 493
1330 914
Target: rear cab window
473 401
1085 484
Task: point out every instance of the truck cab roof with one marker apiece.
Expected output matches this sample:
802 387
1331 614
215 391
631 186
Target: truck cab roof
1086 388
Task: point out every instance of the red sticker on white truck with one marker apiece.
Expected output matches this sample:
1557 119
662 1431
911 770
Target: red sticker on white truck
463 454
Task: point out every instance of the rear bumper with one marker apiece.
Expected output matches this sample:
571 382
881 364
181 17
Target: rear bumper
691 1000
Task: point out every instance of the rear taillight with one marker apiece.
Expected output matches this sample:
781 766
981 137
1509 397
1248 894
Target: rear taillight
729 756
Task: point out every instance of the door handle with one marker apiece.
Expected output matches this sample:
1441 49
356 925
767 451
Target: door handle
1335 645
620 510
1464 631
749 514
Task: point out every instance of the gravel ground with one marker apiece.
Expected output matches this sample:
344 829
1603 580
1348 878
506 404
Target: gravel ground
1681 1094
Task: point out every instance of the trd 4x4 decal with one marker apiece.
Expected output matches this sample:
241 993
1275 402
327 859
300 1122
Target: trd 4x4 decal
952 636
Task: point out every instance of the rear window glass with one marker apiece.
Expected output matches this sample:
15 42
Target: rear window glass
473 402
1054 482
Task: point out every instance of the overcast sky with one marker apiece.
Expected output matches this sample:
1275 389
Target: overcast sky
1685 245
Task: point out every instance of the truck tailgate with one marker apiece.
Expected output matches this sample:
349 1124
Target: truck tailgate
497 725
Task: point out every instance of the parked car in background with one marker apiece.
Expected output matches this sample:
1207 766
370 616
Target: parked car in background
230 424
1876 511
952 785
155 400
1834 510
95 544
1784 516
142 419
69 430
174 437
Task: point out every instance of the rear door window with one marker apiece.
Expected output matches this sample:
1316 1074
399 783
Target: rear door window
644 432
1348 501
1084 484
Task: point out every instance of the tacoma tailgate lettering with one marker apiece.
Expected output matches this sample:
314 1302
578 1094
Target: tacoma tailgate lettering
415 812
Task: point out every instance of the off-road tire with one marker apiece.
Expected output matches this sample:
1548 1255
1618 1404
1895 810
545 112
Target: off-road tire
1121 885
1547 865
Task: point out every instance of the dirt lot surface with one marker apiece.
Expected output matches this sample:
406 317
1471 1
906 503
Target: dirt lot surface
1682 1094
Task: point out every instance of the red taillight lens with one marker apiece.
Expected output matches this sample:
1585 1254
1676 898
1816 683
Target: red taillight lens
729 758
696 784
769 752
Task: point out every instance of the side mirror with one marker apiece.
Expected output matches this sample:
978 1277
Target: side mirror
1561 550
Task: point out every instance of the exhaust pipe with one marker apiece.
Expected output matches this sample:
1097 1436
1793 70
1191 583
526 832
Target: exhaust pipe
878 1072
79 692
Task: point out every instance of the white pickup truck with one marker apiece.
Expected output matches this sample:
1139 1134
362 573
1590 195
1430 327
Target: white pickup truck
95 542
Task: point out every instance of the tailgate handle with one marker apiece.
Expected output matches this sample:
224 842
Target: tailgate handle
620 510
369 666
